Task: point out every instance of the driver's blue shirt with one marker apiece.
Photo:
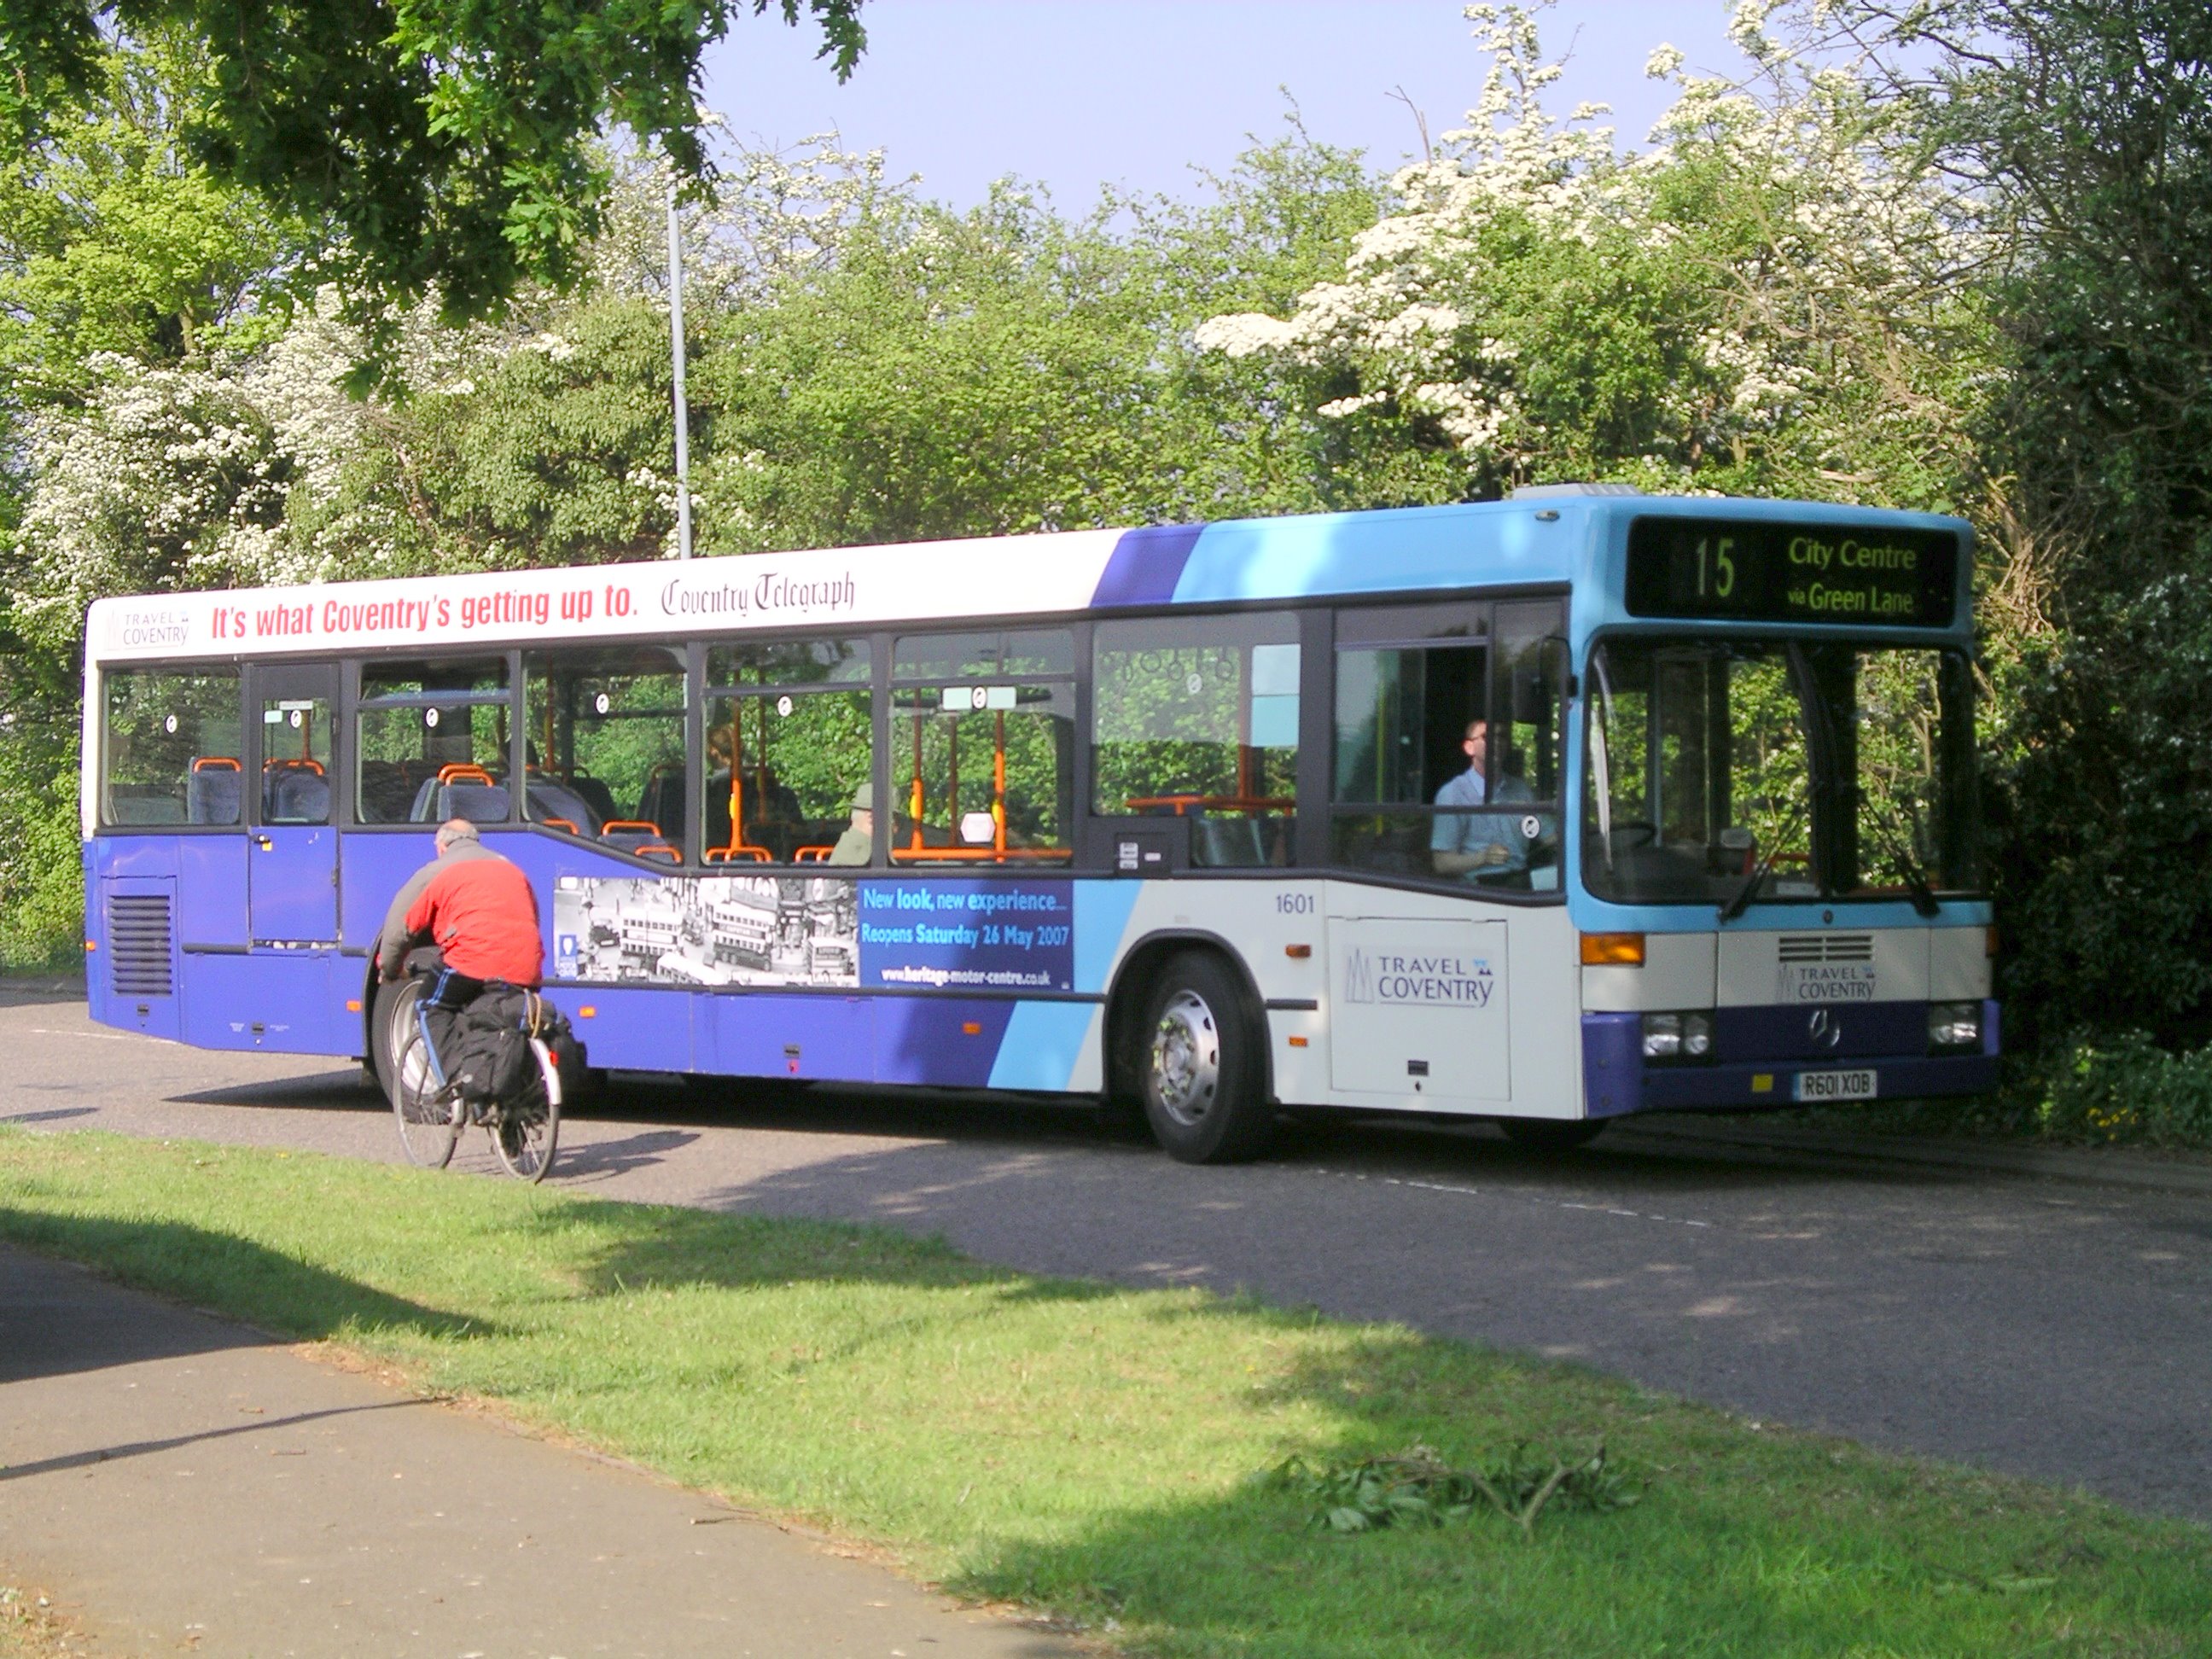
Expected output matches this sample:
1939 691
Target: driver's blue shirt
1466 831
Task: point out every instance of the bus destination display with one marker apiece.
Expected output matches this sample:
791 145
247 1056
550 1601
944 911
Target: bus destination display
1745 570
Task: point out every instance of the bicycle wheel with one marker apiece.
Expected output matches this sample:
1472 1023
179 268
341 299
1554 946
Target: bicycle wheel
525 1136
429 1126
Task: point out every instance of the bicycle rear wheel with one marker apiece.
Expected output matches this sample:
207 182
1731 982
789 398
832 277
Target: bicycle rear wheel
526 1137
429 1126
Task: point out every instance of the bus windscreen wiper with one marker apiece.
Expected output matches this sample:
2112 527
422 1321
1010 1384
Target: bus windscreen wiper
1736 906
1905 861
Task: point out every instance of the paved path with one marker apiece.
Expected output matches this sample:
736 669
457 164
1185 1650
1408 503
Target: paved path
2037 1327
182 1484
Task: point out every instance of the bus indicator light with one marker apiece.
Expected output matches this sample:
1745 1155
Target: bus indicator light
1298 1042
1298 953
1613 950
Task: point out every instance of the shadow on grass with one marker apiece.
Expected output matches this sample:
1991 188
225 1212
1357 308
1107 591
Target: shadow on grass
1736 1545
55 1320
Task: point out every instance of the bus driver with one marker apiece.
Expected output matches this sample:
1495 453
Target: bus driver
1478 846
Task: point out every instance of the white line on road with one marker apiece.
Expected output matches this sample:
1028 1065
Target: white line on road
1476 1192
97 1036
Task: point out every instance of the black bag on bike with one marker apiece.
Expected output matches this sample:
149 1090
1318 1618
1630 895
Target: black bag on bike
488 1056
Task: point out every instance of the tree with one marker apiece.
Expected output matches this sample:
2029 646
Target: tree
448 148
1765 302
2082 130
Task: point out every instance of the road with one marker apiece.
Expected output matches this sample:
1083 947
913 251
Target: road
2059 1331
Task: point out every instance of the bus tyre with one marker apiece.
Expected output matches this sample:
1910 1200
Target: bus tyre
1537 1134
1198 1066
393 1004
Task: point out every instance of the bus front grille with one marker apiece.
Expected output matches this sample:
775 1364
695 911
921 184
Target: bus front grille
1825 947
138 944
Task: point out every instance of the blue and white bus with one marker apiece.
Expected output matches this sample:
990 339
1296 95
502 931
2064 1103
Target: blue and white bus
1547 810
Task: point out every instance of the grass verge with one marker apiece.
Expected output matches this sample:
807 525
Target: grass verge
1090 1450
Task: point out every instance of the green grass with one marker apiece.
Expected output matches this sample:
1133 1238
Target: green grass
1090 1450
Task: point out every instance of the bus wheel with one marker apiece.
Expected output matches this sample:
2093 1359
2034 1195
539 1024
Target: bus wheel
1198 1067
1539 1135
393 1003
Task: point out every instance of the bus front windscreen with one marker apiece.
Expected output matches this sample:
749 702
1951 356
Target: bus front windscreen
1741 771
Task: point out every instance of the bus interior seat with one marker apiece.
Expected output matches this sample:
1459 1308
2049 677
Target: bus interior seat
213 792
479 803
295 792
593 793
662 800
549 800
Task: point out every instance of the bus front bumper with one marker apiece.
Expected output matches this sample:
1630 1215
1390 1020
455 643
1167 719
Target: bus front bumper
1617 1080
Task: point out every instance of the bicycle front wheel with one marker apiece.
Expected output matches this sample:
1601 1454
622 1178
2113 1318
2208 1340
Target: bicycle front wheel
429 1126
526 1137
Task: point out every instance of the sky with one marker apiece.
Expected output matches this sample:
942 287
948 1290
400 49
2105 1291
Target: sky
1075 94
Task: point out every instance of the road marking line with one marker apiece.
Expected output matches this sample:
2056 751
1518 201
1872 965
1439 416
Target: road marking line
97 1036
1477 1191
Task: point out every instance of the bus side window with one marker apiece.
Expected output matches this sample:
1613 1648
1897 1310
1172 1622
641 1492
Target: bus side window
983 749
170 746
606 731
431 742
1198 718
1436 775
790 745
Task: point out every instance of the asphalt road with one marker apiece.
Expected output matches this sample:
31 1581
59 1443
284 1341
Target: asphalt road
2039 1327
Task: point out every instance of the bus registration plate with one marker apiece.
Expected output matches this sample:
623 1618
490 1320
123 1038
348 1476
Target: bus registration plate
1835 1086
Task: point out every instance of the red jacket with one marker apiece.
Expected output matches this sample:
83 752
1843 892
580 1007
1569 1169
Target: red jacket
482 913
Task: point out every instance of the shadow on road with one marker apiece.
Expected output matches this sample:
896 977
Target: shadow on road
320 1090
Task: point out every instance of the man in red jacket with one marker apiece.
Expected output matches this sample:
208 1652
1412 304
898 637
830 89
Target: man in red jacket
479 910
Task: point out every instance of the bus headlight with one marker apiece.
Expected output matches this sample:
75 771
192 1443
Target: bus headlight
1680 1036
1952 1026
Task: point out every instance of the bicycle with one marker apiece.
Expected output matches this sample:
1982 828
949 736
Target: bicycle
526 1131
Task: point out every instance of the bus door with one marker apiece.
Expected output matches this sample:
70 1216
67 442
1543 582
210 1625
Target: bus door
292 865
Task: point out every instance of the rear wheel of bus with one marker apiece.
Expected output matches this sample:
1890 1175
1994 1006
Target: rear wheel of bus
1199 1065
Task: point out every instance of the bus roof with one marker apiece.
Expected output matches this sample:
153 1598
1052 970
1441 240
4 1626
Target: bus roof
1530 542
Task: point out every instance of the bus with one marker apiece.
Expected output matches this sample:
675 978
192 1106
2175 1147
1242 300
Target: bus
1546 811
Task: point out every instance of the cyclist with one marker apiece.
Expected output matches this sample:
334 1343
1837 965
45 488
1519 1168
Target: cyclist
479 910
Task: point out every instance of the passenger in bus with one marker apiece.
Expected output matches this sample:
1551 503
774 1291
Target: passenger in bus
858 844
1479 845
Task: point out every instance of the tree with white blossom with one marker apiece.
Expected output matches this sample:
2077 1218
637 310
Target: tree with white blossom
1763 300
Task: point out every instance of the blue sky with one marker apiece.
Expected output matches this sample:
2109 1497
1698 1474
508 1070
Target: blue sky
1078 93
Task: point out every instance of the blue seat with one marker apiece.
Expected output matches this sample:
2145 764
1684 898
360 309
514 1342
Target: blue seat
213 794
294 795
479 803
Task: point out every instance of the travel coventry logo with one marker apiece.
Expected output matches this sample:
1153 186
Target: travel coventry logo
1429 981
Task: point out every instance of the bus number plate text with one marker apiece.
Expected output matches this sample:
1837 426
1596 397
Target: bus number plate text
1835 1086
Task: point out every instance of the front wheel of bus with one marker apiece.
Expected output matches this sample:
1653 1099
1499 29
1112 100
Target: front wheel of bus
1199 1067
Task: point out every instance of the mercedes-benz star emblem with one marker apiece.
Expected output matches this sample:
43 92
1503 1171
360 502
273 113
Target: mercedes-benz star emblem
1824 1029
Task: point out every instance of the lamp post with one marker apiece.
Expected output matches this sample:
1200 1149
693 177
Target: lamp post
676 341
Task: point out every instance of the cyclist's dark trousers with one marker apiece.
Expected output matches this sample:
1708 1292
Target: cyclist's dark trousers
449 993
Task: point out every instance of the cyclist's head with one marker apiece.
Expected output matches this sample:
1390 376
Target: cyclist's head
453 830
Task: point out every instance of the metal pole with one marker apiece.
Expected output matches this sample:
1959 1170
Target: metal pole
682 418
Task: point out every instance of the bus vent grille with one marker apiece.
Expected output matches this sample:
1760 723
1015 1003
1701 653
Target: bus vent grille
1827 947
138 944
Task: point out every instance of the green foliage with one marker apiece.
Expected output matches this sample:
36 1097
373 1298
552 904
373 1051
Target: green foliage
2115 1087
2086 125
448 150
42 876
1417 1487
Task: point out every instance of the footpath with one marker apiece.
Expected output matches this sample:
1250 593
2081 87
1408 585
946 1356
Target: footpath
178 1482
